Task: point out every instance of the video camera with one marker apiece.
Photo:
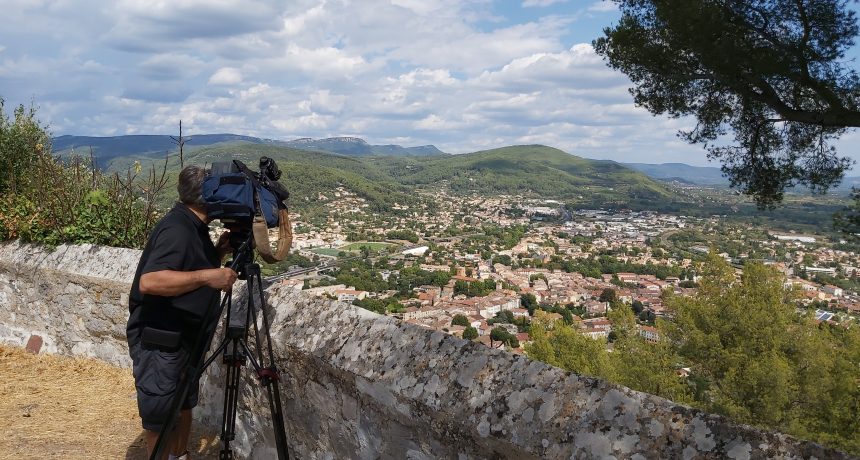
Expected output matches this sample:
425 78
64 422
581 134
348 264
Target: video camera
248 202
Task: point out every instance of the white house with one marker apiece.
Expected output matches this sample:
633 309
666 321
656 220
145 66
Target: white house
348 295
416 251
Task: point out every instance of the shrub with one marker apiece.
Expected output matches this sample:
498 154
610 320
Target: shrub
49 200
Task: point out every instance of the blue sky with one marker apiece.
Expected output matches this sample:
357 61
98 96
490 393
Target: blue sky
462 75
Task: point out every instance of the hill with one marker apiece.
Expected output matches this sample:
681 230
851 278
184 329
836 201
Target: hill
355 146
106 149
712 176
311 177
699 175
532 170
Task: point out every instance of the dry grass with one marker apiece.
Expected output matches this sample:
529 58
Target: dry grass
72 408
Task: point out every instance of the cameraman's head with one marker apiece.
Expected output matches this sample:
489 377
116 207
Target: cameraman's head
190 188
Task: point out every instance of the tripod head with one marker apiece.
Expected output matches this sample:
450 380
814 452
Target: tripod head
242 242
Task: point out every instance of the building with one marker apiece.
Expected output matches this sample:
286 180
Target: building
416 251
595 333
650 334
833 290
799 238
348 295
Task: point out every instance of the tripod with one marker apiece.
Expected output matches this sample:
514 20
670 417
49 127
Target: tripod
236 354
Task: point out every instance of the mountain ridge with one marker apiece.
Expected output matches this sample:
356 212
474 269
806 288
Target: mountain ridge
530 171
107 148
708 175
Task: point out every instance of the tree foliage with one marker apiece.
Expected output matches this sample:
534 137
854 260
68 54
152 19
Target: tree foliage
648 367
407 235
751 356
460 320
755 359
381 306
608 295
567 348
500 334
47 200
771 72
474 288
22 140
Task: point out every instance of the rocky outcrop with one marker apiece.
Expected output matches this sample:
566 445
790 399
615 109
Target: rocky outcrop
359 385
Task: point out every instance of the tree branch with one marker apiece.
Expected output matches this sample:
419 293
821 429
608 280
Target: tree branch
799 52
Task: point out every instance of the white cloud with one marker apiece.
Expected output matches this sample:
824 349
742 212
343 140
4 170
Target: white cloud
435 123
226 76
324 101
294 25
541 3
323 62
578 67
455 73
313 121
420 7
603 6
169 66
475 51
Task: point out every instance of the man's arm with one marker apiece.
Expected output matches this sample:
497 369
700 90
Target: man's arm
171 283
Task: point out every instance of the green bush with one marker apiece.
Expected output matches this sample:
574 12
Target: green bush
49 200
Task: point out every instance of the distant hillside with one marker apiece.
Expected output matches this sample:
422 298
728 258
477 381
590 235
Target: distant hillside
711 176
106 149
355 146
699 175
533 170
848 183
311 177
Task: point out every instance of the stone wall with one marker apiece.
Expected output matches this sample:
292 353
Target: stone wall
75 298
359 385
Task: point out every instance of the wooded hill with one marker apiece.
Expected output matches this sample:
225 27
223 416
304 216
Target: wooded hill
532 171
105 149
529 170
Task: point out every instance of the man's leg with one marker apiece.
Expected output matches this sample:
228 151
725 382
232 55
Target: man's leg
183 431
178 442
151 439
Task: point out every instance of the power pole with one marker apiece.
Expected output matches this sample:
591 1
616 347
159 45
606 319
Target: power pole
180 141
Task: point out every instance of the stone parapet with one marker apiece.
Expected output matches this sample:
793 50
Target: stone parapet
75 298
360 385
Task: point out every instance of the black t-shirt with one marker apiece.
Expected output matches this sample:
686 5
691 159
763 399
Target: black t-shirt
179 242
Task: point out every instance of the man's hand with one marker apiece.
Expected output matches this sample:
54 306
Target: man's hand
221 278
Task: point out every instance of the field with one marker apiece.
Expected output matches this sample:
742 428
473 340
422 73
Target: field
326 251
372 245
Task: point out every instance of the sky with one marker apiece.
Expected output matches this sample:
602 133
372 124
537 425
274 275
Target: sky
463 75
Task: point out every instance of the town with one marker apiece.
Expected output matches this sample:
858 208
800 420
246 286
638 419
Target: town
483 268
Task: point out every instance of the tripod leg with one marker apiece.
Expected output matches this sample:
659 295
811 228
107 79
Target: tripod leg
233 363
269 376
194 368
235 356
278 420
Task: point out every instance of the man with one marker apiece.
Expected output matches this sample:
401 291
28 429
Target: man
178 279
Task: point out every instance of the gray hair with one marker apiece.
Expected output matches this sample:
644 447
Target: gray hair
190 186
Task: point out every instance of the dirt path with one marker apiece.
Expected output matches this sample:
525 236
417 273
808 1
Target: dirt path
70 408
